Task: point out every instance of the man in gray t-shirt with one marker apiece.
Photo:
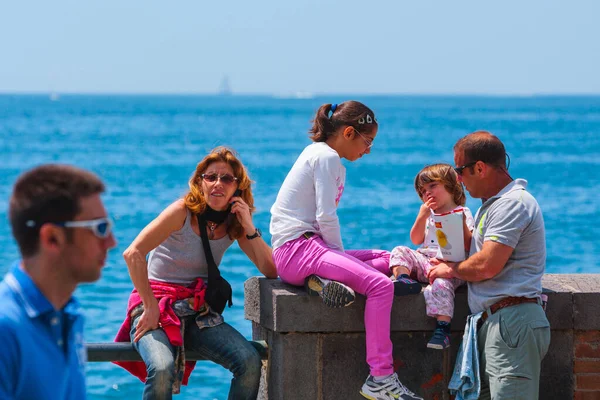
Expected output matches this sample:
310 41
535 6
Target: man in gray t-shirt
504 271
512 218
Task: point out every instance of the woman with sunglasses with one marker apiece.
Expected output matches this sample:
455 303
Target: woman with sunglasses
307 240
168 305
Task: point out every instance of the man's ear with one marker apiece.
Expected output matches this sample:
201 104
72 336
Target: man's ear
52 237
481 168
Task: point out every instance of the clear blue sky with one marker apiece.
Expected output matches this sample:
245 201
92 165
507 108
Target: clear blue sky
316 46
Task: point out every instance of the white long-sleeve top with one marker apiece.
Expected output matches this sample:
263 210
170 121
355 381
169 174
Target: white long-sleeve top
308 198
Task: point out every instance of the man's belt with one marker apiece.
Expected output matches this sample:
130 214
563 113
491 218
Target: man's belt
506 302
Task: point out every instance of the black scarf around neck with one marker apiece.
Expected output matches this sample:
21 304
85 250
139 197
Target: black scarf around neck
218 217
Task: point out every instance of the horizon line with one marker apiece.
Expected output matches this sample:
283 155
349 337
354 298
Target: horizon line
300 95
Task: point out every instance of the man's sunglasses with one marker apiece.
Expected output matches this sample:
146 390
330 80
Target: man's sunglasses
459 170
101 227
226 179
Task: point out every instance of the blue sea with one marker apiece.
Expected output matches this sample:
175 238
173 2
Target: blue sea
146 147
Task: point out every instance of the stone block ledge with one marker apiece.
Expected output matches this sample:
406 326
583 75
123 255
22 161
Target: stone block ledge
573 303
319 352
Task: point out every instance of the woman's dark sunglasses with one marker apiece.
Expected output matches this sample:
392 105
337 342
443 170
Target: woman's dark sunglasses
225 179
459 170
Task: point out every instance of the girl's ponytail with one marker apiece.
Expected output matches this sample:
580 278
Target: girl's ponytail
322 125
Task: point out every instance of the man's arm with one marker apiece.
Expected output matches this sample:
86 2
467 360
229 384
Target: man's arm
504 225
483 265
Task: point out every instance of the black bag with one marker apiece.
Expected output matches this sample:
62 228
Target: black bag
218 292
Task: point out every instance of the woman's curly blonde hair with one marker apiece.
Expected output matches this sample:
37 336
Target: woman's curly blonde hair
445 174
195 199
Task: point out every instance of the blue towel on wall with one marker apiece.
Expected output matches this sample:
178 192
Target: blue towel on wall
465 382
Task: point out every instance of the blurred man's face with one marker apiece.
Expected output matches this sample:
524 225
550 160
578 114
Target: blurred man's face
85 254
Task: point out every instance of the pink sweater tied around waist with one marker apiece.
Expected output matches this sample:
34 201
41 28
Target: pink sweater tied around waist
166 294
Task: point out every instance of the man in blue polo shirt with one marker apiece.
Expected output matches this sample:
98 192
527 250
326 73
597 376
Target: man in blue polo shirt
63 233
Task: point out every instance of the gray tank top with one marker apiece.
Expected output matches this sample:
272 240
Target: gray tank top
180 258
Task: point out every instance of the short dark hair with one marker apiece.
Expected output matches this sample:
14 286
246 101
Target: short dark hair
349 113
482 146
47 193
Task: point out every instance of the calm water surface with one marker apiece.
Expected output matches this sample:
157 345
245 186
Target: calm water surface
146 147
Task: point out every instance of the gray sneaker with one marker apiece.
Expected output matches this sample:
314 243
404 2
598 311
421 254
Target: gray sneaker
333 293
390 388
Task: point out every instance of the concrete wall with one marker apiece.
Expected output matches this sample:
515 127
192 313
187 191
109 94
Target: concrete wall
319 353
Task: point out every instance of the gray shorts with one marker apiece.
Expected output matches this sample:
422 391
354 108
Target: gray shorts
512 343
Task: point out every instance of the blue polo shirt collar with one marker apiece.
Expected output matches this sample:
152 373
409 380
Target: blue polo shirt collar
34 301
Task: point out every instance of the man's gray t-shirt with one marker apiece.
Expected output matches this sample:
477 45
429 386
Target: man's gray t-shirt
513 218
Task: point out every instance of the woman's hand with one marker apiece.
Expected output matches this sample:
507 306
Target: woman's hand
148 321
242 213
256 249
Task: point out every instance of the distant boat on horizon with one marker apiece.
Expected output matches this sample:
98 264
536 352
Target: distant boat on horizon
294 95
225 87
54 96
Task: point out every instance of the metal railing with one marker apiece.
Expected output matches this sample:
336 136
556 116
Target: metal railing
102 352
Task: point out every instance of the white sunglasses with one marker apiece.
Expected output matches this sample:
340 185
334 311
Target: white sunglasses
101 227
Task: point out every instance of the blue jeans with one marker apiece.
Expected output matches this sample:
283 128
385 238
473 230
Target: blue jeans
221 344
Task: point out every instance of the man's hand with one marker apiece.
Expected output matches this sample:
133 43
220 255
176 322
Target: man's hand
440 269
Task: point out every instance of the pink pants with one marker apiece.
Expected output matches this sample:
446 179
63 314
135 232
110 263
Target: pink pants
439 296
365 271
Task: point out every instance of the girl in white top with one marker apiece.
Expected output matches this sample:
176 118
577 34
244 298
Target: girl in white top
307 244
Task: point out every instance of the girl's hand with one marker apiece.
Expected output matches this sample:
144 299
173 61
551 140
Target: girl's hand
427 207
417 232
242 213
467 235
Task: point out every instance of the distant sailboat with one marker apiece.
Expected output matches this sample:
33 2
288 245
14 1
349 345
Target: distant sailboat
54 96
224 87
